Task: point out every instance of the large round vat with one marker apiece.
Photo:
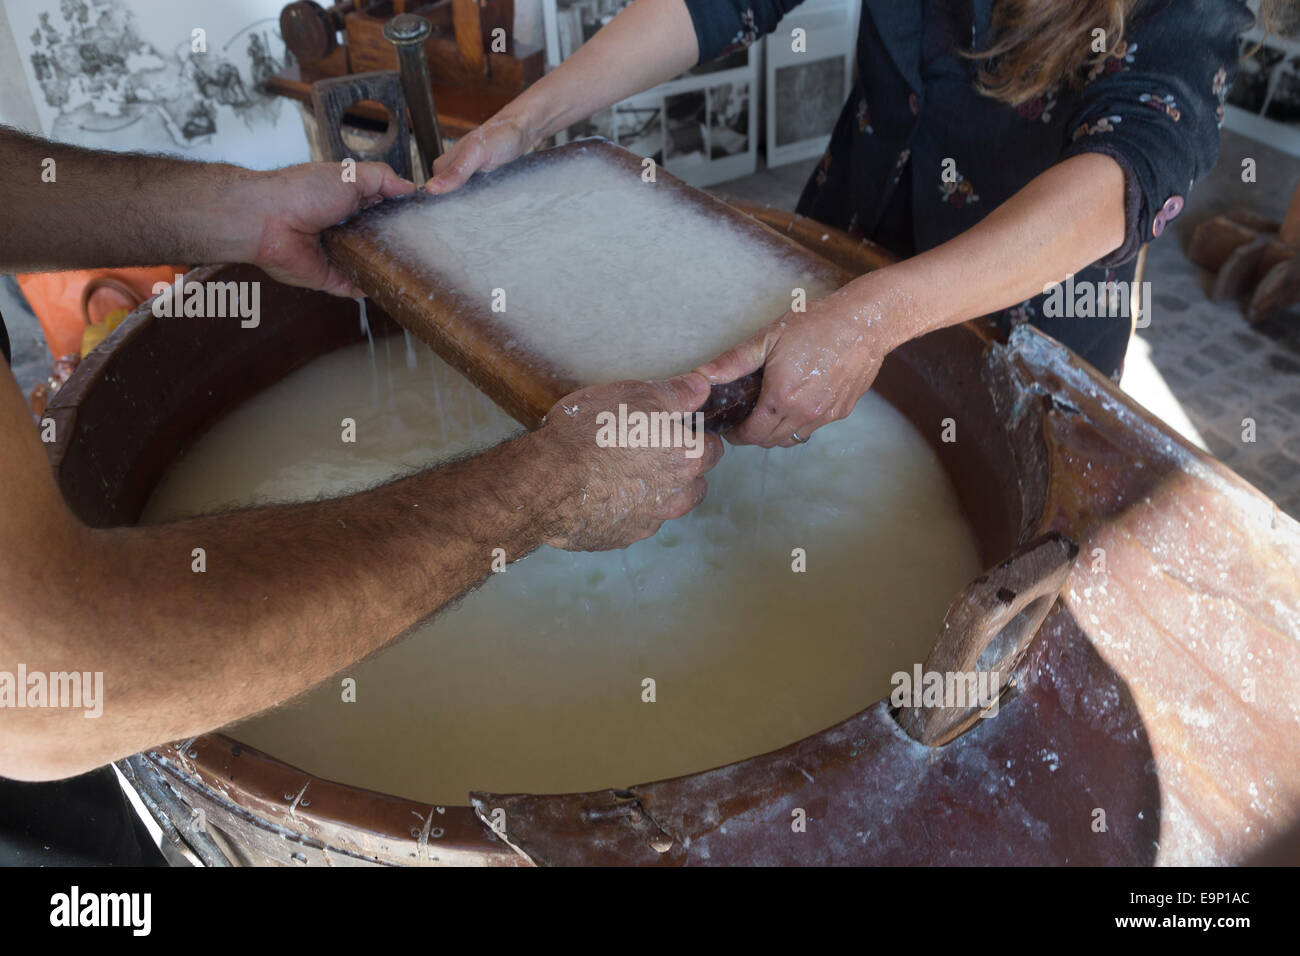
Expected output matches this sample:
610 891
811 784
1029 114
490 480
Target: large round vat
1144 601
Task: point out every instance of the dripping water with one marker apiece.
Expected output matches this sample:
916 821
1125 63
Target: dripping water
388 357
437 400
370 339
762 492
631 580
411 362
469 417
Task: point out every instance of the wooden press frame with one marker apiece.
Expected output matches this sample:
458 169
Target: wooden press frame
468 336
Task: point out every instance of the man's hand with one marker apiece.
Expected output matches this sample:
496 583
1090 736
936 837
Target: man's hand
625 494
297 202
154 210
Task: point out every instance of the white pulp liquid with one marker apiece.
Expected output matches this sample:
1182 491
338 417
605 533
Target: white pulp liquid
603 275
534 683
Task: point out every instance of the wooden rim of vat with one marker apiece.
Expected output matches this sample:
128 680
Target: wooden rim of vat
265 799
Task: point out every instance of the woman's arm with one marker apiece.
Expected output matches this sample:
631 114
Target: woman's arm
819 363
1144 129
648 42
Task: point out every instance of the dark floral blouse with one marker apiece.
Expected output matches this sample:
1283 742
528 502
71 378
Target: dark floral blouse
1156 109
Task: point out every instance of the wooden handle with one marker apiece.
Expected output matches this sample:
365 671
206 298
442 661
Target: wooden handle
310 31
730 404
332 98
988 629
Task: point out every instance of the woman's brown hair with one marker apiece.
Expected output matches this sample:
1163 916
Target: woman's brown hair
1041 44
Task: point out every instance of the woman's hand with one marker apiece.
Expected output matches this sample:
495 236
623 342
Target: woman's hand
818 364
495 143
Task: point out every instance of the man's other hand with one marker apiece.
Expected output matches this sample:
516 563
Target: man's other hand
623 493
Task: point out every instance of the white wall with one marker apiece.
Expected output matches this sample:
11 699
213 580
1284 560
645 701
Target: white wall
16 106
528 21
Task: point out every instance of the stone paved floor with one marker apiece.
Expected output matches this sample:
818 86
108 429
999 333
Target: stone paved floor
1198 365
1219 368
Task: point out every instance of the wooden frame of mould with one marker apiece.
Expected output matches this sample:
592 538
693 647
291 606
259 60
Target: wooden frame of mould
469 336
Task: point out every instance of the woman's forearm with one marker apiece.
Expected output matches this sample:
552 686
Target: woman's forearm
1061 222
820 363
648 42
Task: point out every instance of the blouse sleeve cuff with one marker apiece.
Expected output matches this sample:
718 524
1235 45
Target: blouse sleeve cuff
712 29
1133 199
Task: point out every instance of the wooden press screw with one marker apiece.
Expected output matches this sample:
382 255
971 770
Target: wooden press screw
407 33
309 30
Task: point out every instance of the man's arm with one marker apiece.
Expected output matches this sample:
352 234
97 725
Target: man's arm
67 208
291 593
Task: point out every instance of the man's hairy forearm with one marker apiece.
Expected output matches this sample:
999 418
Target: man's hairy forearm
288 595
104 209
197 623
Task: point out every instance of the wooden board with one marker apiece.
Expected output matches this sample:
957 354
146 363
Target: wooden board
468 336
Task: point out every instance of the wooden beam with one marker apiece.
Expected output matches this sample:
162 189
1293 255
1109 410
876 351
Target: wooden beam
469 33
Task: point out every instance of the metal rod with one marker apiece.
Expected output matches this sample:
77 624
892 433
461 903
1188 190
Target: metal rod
407 32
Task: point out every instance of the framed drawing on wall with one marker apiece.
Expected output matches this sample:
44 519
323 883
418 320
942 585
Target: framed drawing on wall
808 78
131 74
701 126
